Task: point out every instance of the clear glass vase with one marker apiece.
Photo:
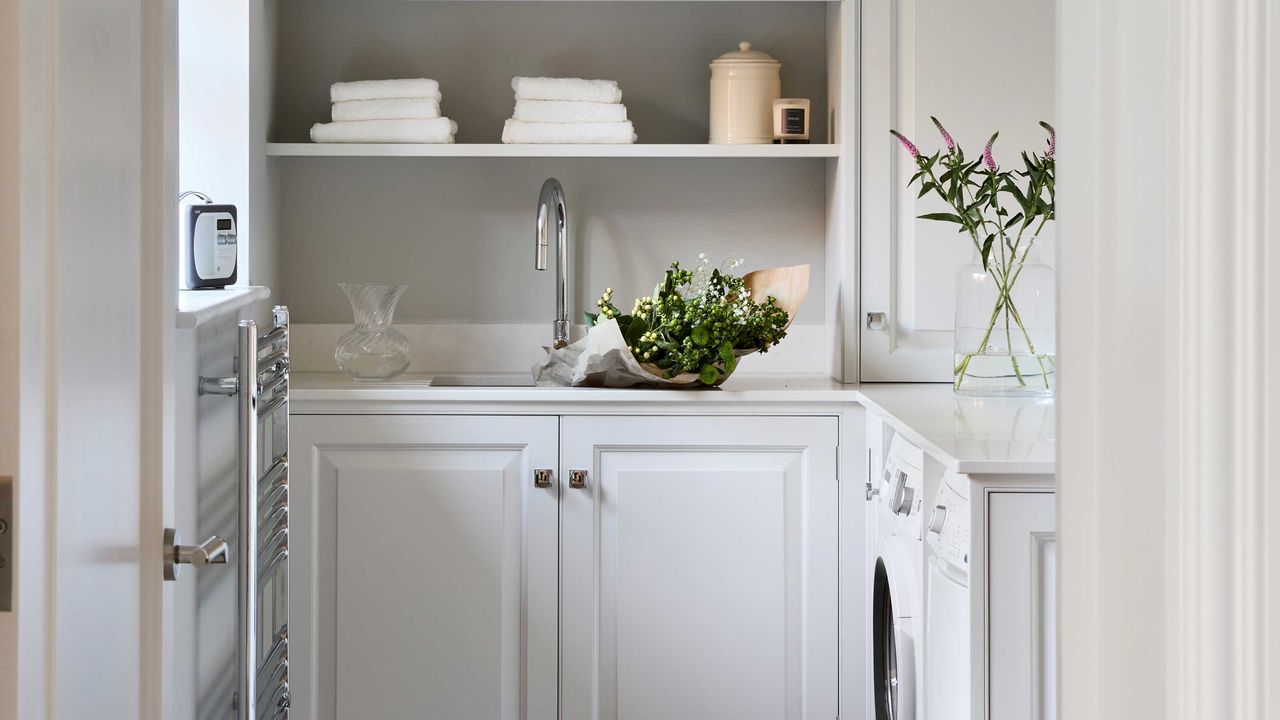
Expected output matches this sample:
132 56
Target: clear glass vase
373 350
1005 325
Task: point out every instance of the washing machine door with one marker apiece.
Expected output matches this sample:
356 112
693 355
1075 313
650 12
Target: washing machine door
893 639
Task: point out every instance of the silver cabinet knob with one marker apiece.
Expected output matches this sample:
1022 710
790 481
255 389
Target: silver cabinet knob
542 478
938 519
876 320
210 552
577 479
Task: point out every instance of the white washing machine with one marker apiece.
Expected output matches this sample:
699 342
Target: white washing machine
897 602
948 626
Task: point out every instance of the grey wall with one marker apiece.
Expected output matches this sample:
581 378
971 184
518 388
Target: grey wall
657 51
460 230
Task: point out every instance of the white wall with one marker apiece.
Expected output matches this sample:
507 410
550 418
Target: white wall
213 111
459 231
214 158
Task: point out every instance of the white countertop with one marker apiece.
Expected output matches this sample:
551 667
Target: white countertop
967 435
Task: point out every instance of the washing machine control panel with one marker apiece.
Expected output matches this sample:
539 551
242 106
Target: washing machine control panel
902 485
948 526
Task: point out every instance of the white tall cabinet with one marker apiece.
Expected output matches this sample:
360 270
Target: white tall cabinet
674 567
980 66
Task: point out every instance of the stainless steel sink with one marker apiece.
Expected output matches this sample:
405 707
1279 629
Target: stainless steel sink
482 381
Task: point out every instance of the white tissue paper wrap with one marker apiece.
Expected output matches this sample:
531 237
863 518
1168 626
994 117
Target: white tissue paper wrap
601 359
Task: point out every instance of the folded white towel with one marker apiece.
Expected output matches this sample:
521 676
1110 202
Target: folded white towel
567 111
381 89
518 133
577 89
439 130
390 109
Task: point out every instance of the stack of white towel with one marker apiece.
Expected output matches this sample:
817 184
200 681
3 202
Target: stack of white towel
385 111
568 110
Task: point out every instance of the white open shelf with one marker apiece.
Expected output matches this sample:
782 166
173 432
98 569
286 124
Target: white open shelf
478 150
197 307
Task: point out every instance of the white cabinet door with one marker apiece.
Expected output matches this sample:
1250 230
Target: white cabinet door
920 59
699 568
1020 635
424 567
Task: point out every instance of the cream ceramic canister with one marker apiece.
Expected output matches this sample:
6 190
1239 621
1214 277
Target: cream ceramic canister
744 84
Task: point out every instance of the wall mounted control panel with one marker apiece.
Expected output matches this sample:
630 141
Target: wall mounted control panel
211 246
6 543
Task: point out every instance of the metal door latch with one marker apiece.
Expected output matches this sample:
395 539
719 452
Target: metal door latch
210 552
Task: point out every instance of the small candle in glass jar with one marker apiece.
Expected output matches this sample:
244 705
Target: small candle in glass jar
791 120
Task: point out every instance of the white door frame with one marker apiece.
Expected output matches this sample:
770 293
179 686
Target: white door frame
1169 404
33 202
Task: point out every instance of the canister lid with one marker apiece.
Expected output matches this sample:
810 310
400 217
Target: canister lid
744 54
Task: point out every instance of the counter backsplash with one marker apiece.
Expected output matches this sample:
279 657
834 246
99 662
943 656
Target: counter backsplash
514 348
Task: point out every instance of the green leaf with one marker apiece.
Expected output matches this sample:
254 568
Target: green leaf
1017 194
590 318
708 375
986 250
1013 221
635 329
925 189
943 217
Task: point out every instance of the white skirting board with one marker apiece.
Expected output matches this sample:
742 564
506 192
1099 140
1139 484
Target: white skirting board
500 348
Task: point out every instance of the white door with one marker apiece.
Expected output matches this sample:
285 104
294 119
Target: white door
699 568
979 66
1021 571
86 317
424 567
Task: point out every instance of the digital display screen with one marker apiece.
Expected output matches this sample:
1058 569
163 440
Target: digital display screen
224 223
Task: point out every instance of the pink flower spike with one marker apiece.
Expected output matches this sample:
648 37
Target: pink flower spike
1053 139
910 146
987 158
946 136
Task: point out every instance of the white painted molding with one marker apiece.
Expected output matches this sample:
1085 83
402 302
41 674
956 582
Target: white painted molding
1169 333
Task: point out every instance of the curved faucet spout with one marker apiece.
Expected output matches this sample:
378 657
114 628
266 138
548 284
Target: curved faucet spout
551 200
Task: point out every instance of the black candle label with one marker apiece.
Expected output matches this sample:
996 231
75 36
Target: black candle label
793 121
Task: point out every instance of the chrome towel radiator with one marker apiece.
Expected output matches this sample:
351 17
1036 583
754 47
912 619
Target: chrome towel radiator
261 389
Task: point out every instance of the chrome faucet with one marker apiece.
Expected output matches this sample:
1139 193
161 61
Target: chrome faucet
552 199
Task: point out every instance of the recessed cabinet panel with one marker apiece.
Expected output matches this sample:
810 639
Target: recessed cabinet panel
699 568
432 564
420 577
1022 548
694 570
